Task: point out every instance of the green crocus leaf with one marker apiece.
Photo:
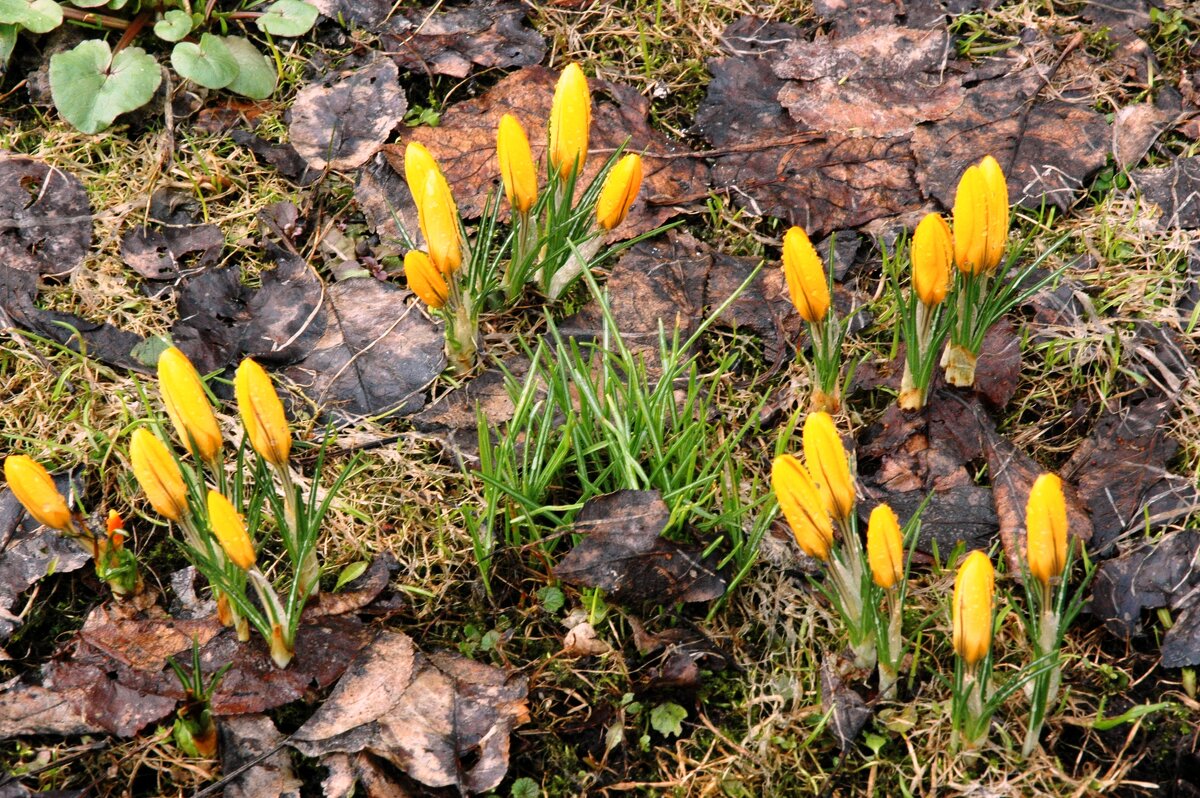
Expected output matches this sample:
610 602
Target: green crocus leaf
38 16
91 87
208 63
287 18
256 76
174 25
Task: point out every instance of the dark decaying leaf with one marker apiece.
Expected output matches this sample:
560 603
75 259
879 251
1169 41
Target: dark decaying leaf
456 41
1175 189
383 197
283 157
1121 476
340 121
963 513
28 552
454 417
1012 474
211 309
999 368
1155 574
1121 17
465 145
360 13
285 319
1046 166
848 713
159 254
677 657
377 354
851 16
1159 354
443 719
1135 129
881 82
363 774
31 709
45 218
244 739
623 553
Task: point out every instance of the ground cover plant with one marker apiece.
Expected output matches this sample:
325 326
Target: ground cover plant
720 398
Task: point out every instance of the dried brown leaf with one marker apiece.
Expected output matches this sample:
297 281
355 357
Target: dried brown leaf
457 41
45 217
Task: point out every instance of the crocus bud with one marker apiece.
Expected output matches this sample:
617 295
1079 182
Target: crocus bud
996 191
802 506
619 191
158 474
226 523
262 413
827 462
187 405
419 163
805 276
1046 527
932 257
570 122
516 164
35 490
424 279
114 525
970 222
440 224
972 610
885 547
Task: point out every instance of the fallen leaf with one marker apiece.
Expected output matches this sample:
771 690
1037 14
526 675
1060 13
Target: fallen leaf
211 308
1159 354
1155 574
361 13
457 41
1121 17
377 778
377 354
45 217
1121 476
848 712
622 552
581 641
158 254
283 157
426 714
28 553
453 419
244 739
343 119
1135 129
32 709
1046 167
384 199
878 83
285 313
999 367
464 142
1175 189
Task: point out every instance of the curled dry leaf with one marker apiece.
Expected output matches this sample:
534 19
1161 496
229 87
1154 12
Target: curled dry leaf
623 552
443 719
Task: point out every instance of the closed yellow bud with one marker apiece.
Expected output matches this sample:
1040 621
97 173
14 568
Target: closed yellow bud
226 523
158 474
827 462
972 610
262 413
424 279
187 405
885 547
619 191
1046 526
440 226
35 490
419 163
932 257
970 222
805 276
802 506
516 164
570 122
996 191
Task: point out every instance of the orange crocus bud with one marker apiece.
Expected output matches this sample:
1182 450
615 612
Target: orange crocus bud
972 610
226 523
187 405
828 464
932 257
516 164
35 490
619 191
1046 526
885 547
262 413
424 279
570 122
802 506
805 276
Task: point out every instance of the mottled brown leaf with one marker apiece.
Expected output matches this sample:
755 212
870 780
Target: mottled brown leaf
426 714
45 217
465 145
1047 167
1121 475
158 254
1154 574
1175 189
880 83
457 41
999 367
622 552
340 121
848 712
245 739
1135 129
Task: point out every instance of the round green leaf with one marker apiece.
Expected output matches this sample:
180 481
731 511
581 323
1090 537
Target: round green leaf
287 18
91 87
8 40
88 3
256 76
209 63
174 25
38 16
